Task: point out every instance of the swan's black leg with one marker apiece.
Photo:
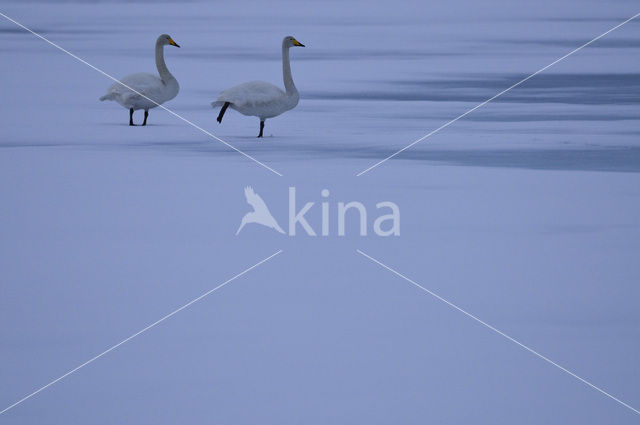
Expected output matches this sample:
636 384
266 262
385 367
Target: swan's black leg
146 114
131 116
261 128
222 111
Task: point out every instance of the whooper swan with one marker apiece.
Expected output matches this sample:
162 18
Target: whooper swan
261 99
159 89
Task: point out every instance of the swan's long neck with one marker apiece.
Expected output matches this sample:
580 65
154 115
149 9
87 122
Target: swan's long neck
286 71
165 75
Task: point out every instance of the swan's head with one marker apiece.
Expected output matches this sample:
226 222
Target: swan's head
165 39
290 41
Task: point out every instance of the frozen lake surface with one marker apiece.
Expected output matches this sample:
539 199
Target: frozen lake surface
526 213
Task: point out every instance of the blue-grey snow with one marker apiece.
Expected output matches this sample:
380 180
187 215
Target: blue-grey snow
525 213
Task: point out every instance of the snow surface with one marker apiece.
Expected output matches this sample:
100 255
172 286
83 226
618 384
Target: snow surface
526 213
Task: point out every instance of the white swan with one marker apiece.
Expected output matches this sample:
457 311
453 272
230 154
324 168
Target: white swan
261 99
159 89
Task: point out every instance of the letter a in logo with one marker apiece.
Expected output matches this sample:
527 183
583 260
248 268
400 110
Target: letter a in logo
260 213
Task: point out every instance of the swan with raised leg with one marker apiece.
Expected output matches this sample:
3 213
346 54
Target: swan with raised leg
261 99
152 90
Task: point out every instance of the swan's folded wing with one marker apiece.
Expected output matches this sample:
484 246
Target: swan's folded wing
252 94
145 84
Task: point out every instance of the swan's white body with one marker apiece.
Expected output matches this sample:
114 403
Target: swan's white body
149 85
261 99
149 90
258 99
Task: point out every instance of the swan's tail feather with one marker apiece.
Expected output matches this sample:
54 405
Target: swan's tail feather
108 96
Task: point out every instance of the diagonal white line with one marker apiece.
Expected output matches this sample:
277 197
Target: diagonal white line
546 359
197 127
139 332
447 124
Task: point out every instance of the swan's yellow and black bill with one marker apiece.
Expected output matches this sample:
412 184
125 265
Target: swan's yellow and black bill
173 43
297 43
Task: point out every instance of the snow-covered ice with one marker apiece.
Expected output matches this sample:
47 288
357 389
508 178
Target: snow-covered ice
526 213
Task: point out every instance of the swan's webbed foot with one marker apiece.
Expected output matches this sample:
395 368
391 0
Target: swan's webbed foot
222 111
131 116
146 114
261 128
